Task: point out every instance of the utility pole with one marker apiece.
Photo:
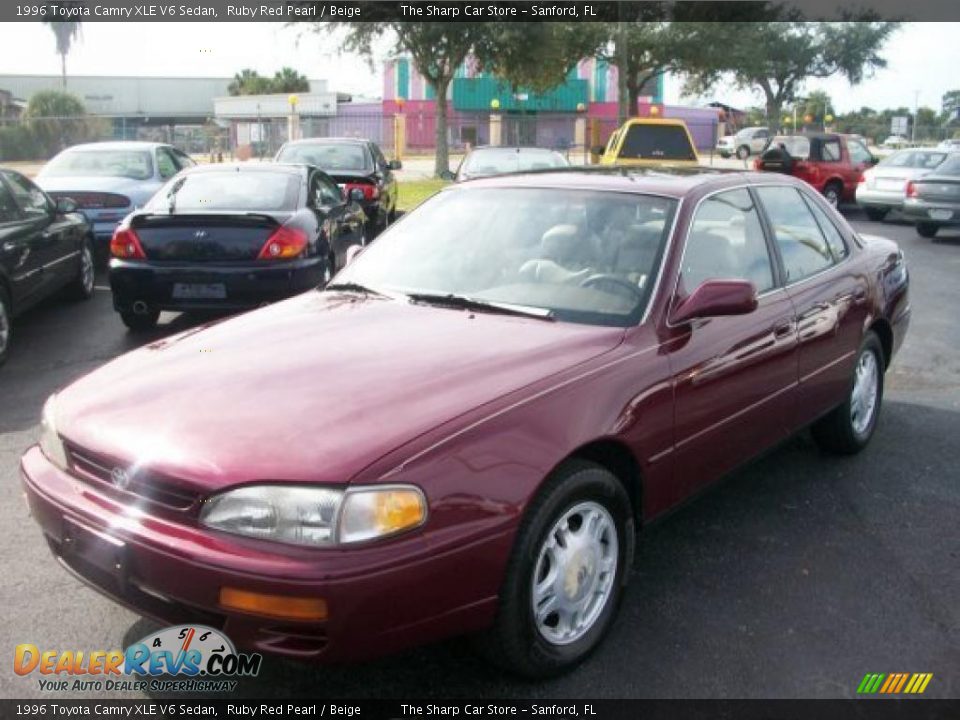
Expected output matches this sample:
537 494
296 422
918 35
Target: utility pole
916 109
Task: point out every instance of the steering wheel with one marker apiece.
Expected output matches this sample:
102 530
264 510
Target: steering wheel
600 279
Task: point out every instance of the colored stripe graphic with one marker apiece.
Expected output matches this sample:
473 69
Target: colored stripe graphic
894 683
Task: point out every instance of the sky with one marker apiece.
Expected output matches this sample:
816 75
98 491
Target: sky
922 59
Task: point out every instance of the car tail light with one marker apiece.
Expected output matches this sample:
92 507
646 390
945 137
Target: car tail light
283 244
126 245
370 192
912 190
758 164
95 200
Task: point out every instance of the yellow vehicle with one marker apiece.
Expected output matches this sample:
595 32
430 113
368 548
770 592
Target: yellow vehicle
651 142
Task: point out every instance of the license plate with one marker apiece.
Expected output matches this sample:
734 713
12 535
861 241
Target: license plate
940 214
889 185
94 547
199 291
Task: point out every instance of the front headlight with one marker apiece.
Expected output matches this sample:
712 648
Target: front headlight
50 442
316 516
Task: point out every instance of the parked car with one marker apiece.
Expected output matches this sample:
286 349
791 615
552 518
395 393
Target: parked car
725 146
830 162
486 161
883 188
45 245
952 144
231 237
359 167
895 141
109 180
651 142
933 201
511 381
750 141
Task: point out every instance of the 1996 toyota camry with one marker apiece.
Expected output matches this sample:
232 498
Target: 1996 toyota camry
464 431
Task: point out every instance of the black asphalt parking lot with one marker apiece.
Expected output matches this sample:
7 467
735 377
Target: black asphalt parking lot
791 579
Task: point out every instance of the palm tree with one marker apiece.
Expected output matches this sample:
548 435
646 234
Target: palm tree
289 80
66 33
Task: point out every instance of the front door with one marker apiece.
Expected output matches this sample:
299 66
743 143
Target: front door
734 377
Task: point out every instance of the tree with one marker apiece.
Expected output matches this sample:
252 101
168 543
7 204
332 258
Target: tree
777 58
436 50
249 82
288 80
56 120
66 33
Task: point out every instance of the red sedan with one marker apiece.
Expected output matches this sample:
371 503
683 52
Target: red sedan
465 431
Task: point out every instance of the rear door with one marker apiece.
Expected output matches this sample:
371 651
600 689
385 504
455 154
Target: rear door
734 377
829 293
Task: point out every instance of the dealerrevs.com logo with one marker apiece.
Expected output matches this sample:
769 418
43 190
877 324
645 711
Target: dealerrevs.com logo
182 658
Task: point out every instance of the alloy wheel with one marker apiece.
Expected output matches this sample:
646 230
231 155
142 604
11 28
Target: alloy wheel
863 399
4 326
574 575
86 269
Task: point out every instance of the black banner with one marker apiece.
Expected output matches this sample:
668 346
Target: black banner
470 11
872 709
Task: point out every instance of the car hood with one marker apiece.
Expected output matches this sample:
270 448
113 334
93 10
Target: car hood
312 389
142 189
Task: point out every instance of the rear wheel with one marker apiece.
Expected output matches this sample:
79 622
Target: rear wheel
831 192
876 213
848 429
566 575
6 318
82 286
743 152
140 322
927 230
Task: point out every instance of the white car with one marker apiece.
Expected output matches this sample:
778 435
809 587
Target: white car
950 144
884 187
750 141
895 141
725 146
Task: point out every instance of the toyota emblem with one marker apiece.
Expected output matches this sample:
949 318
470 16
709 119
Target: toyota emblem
120 478
200 235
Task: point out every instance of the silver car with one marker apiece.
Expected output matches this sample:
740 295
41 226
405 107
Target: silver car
750 141
884 186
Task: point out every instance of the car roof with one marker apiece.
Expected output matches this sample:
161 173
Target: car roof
118 145
516 148
328 141
249 167
671 182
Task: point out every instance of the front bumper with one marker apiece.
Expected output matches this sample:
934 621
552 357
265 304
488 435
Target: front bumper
938 213
381 598
245 286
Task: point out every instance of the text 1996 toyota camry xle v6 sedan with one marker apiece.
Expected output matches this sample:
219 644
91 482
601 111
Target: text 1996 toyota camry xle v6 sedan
464 430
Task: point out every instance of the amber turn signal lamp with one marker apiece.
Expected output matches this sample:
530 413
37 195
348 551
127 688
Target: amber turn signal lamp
276 606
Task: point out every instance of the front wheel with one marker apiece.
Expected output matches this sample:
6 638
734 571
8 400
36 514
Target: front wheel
81 288
743 152
848 429
140 322
566 576
6 318
927 230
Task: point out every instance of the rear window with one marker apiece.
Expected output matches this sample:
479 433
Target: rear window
950 167
228 190
133 164
796 146
657 142
505 160
327 156
914 159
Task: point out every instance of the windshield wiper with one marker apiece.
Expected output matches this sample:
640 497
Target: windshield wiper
468 303
354 287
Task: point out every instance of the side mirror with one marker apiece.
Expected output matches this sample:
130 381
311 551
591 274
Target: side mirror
874 160
716 298
448 176
395 165
66 206
352 253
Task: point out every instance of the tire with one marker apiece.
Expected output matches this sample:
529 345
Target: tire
6 324
81 288
832 192
927 230
584 494
743 152
136 322
876 214
847 429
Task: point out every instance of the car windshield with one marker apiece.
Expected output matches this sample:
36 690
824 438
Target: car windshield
327 156
797 146
495 161
584 256
914 159
228 190
657 142
133 164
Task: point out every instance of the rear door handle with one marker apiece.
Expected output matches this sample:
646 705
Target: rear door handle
783 329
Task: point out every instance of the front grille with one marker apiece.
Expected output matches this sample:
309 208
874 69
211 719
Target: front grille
103 473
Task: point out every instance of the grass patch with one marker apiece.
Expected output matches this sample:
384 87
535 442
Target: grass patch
414 192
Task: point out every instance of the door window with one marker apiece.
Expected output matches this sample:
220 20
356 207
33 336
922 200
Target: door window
858 153
31 199
803 248
324 192
8 208
835 241
830 151
183 160
166 165
726 241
